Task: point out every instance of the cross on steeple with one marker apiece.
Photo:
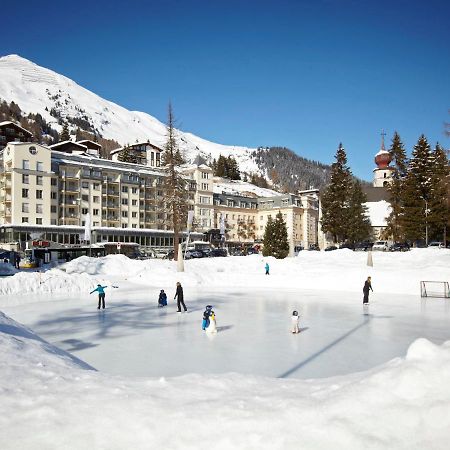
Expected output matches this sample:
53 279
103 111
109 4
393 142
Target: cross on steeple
383 134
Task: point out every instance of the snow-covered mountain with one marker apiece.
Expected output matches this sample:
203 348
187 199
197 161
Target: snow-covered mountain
39 90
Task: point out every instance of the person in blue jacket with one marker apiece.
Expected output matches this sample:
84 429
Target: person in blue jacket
101 295
206 314
162 300
267 268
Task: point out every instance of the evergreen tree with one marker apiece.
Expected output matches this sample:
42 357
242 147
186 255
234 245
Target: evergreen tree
221 169
127 155
358 224
335 198
276 238
439 215
396 189
64 135
418 191
232 169
175 201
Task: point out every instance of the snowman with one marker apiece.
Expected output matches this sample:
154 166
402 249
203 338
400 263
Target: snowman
212 323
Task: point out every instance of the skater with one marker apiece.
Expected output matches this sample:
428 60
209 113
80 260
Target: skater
206 314
162 300
367 286
212 323
101 295
267 268
17 261
295 318
180 297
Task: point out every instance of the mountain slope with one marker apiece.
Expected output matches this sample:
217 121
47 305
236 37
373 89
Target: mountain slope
58 99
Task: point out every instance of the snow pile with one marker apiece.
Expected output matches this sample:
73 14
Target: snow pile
402 404
340 270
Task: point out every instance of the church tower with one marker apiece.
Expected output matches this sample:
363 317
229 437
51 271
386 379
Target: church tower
382 174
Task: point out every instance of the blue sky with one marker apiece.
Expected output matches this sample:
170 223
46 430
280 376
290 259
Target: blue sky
305 75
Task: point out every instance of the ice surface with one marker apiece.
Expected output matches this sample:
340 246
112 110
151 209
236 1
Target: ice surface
339 336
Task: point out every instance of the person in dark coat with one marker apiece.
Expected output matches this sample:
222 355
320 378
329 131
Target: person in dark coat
162 300
366 288
17 261
180 297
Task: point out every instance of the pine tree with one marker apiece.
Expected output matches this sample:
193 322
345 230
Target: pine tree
127 155
439 215
175 200
417 191
276 238
335 198
396 189
221 169
64 135
358 224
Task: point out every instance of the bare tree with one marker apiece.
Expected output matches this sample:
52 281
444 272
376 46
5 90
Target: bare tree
175 192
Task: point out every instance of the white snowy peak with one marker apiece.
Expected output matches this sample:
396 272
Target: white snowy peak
39 90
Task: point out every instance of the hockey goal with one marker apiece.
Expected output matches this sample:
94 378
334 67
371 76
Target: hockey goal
434 289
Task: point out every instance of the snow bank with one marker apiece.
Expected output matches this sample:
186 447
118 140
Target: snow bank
340 270
402 404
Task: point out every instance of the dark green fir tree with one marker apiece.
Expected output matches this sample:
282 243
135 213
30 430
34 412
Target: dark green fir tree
359 227
276 238
65 134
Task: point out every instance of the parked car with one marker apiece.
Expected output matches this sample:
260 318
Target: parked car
330 248
252 251
314 247
218 252
348 245
436 244
380 246
363 246
399 247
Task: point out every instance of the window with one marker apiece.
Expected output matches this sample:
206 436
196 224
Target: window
38 208
95 212
24 219
39 180
133 225
124 225
25 207
53 195
205 175
24 193
96 186
124 213
52 221
39 166
205 186
125 189
204 200
158 159
85 184
53 209
96 199
134 214
85 198
124 201
84 211
38 220
134 190
230 203
95 224
53 181
26 179
25 164
133 202
38 193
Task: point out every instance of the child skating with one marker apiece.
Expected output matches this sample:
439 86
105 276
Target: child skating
101 295
162 300
295 319
206 314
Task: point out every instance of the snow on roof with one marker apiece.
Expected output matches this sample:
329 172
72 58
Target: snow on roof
91 142
68 142
382 152
378 212
237 187
116 150
9 122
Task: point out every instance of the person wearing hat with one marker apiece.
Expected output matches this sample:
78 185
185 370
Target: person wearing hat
366 288
162 300
101 295
180 297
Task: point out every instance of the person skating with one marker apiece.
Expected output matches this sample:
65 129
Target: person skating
162 300
101 295
180 297
366 288
206 314
295 319
212 323
267 268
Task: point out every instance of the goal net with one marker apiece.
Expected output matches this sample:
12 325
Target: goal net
434 289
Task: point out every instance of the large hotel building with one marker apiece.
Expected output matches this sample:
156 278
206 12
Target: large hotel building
46 193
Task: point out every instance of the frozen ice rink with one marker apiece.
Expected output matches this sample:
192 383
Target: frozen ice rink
134 337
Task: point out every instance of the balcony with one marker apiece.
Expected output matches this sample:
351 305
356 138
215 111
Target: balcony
69 188
111 205
129 179
111 192
69 201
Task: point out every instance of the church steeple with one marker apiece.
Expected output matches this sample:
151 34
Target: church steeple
383 172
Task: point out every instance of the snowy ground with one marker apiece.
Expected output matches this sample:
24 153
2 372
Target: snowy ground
380 395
